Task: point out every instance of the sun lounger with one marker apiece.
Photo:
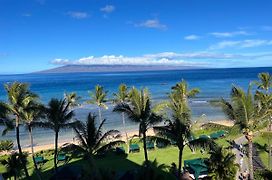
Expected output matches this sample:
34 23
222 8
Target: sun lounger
204 137
61 157
218 134
134 148
161 145
39 159
150 145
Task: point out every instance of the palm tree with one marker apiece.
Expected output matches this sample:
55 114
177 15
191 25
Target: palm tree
6 145
18 96
91 138
98 97
265 98
139 110
72 98
178 126
121 97
58 116
34 113
265 81
222 164
244 111
14 164
181 90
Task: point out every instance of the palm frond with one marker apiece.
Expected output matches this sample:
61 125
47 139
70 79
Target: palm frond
204 143
108 134
108 146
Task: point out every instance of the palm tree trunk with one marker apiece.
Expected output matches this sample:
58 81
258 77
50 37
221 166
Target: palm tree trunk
56 151
19 147
250 160
145 150
125 130
32 151
100 115
180 161
269 144
269 157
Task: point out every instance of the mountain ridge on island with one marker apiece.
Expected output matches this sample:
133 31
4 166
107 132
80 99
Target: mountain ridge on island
113 68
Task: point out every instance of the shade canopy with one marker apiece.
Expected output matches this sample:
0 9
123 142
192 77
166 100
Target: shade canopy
196 167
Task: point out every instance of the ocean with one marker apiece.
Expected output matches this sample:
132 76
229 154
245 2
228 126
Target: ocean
213 83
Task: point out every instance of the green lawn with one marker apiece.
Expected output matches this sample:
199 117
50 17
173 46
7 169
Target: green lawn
166 156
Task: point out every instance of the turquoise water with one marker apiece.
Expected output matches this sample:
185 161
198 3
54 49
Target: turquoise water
213 83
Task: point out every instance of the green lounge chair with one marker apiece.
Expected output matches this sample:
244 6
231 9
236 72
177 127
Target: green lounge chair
218 134
150 145
134 148
61 157
39 159
204 137
161 145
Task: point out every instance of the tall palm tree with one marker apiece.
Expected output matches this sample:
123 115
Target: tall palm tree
34 113
265 98
72 98
14 164
91 138
139 110
265 81
178 126
19 96
121 97
244 111
98 97
58 116
181 90
222 164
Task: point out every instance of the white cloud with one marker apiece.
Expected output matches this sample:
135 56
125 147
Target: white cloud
194 55
241 44
191 37
59 61
164 58
108 9
229 34
195 59
78 14
152 23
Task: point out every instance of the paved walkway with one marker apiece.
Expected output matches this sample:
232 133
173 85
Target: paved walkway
239 155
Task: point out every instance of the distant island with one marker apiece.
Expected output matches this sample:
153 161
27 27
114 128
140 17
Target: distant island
113 68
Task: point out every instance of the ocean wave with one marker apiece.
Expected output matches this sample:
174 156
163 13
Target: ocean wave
199 102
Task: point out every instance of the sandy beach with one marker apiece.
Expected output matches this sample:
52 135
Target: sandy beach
130 134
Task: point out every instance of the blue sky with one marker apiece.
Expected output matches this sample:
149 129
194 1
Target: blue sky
41 34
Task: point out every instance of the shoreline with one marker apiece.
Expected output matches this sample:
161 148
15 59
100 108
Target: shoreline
130 134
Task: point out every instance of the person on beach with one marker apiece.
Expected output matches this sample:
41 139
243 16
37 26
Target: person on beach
241 162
